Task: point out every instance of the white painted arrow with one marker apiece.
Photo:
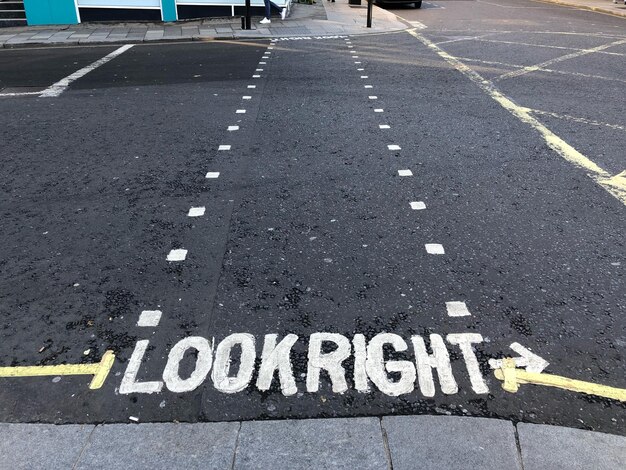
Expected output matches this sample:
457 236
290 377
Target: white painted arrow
526 359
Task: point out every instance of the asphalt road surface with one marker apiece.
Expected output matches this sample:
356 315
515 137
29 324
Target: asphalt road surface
315 228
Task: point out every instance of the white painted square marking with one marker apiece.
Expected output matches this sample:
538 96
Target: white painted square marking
251 86
405 173
224 147
384 126
233 128
149 318
434 249
196 211
371 97
213 174
393 147
241 111
378 110
247 97
177 255
418 205
457 309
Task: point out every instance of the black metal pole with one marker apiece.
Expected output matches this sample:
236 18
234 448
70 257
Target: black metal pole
369 13
248 21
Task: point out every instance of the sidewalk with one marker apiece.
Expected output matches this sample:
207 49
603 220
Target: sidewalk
398 442
320 19
601 6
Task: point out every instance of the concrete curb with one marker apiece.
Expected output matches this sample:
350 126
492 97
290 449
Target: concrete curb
398 442
605 10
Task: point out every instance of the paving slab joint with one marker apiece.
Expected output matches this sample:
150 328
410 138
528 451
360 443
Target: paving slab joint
518 445
83 448
236 449
386 444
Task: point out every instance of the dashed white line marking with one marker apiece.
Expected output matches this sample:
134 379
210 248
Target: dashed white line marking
405 173
233 128
240 111
224 147
251 86
196 211
213 174
246 97
262 63
259 70
434 249
59 87
457 309
256 76
393 147
369 86
418 205
384 126
177 255
364 76
378 110
357 62
371 97
149 318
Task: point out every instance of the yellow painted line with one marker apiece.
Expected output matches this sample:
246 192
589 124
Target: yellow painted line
100 370
513 377
614 184
576 119
573 55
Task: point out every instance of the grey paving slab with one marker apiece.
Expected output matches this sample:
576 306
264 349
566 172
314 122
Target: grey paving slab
450 442
29 446
311 444
556 447
161 446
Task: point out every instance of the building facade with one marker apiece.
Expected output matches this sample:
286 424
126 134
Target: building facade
49 12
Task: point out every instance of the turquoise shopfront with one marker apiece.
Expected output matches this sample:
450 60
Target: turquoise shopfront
49 12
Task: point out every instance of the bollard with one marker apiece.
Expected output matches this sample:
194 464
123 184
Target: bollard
369 13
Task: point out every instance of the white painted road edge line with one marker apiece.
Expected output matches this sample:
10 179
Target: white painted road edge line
177 255
59 87
434 249
149 318
21 93
615 185
457 309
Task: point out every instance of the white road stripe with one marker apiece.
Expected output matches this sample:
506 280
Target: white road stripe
149 318
405 173
384 126
369 86
246 97
371 97
196 211
378 110
393 147
59 87
434 249
213 174
21 93
177 255
224 147
457 309
418 205
240 111
251 86
233 128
